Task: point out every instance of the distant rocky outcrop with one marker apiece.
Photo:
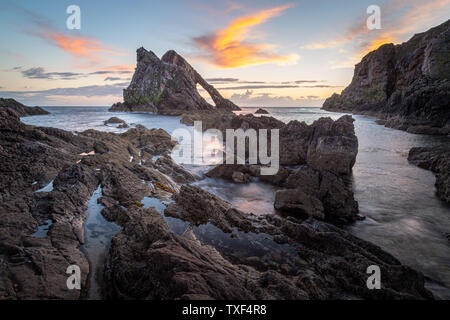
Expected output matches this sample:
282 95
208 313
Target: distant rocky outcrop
436 159
168 84
114 120
406 85
22 111
261 111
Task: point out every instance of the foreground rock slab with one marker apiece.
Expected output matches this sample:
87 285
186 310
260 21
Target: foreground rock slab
148 261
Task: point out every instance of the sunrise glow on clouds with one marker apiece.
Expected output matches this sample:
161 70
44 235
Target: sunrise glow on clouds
400 20
228 47
262 52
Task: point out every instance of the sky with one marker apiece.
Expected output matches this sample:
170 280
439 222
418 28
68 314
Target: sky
257 53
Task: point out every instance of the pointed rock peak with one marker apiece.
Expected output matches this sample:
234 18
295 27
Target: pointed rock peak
143 55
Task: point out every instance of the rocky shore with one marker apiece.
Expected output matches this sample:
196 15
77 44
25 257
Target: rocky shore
407 86
150 197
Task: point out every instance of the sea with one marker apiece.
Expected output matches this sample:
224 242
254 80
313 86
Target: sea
403 214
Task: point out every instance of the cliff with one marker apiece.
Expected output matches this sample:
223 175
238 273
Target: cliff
407 85
168 85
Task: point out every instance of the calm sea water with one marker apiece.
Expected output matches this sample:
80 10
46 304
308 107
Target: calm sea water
404 216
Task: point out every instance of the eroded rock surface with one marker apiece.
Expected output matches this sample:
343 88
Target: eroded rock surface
32 265
328 262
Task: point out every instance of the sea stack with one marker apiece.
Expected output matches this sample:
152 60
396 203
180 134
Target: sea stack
169 86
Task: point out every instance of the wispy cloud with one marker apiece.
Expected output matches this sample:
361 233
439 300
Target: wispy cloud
88 49
259 87
229 48
250 98
400 18
235 81
84 91
40 73
276 87
222 80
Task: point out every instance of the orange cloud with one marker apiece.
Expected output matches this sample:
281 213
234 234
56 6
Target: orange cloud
79 46
76 45
228 48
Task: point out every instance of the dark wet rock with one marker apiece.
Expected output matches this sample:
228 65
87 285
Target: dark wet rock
199 207
148 261
167 166
114 120
333 145
164 265
34 267
298 203
436 159
242 173
261 111
407 85
22 111
333 190
167 84
152 141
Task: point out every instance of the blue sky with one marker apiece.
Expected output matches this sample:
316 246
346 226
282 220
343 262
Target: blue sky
270 53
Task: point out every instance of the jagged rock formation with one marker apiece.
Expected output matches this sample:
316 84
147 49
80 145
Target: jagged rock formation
436 159
167 85
21 110
406 85
324 153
